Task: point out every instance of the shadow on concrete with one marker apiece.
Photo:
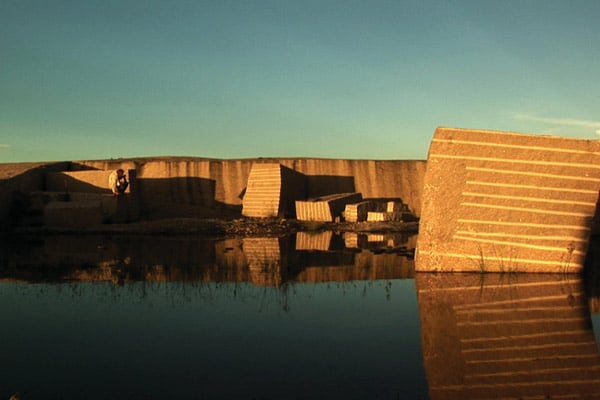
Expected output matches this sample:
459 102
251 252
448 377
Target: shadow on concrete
19 180
182 197
324 185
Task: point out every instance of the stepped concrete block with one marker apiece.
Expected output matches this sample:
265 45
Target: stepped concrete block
272 190
73 214
507 202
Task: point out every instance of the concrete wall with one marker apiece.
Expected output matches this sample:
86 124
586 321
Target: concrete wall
207 187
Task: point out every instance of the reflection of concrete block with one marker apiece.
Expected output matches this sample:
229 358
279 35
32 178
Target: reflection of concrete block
326 208
351 240
523 337
498 201
313 240
264 260
375 238
73 214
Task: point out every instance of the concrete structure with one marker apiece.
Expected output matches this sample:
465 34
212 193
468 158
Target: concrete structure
272 190
326 208
507 202
199 187
494 336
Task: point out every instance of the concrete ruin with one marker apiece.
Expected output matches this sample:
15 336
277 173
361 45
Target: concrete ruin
327 208
507 202
272 190
175 187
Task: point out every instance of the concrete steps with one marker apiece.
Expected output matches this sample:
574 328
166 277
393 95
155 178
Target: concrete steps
78 199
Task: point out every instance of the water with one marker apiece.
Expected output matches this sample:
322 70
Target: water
113 318
308 317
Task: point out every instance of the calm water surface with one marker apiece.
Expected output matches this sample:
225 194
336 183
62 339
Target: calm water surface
165 319
308 317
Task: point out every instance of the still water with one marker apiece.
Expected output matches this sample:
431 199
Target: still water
306 317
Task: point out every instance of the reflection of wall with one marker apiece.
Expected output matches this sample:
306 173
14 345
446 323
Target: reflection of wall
501 336
263 256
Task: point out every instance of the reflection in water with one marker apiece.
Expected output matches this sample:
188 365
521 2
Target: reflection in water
182 318
263 261
501 336
313 316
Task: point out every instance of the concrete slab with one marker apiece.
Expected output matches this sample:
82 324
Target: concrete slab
326 208
507 202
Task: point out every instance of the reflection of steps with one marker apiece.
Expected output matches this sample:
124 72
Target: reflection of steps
313 240
507 337
264 260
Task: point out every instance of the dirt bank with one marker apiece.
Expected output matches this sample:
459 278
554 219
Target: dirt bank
223 228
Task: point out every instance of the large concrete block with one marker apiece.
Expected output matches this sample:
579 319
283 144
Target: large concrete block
507 202
272 190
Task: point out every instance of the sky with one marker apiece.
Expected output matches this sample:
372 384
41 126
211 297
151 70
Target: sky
98 79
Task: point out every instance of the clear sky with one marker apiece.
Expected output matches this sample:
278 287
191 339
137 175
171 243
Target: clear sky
94 79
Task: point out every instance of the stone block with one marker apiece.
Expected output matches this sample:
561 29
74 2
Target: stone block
507 202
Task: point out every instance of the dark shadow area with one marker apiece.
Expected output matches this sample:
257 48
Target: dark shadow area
324 185
18 182
182 197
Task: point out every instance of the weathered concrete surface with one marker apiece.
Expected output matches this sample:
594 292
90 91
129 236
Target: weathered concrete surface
325 209
271 191
500 336
200 187
506 202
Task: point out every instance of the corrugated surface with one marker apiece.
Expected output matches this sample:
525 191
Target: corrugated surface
263 191
325 209
313 240
521 337
264 260
496 201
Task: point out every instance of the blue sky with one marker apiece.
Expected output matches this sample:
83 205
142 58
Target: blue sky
94 79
